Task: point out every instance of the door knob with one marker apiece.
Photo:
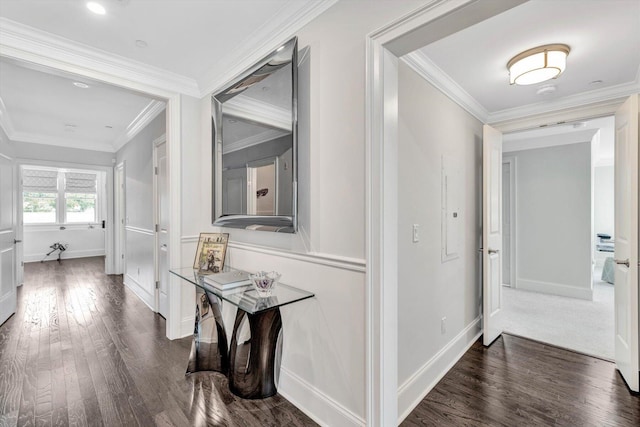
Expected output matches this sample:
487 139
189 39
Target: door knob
16 241
623 262
493 251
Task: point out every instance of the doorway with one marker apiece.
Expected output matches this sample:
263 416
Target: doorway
162 227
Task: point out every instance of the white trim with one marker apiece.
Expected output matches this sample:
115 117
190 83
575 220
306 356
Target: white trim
414 389
344 263
137 289
273 33
555 289
317 405
26 48
15 36
146 116
511 144
383 48
139 230
65 255
428 70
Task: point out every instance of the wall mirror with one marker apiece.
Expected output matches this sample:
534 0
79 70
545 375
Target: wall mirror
255 146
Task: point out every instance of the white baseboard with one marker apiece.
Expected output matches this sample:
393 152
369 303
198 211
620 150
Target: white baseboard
186 326
555 289
318 406
411 393
137 289
65 255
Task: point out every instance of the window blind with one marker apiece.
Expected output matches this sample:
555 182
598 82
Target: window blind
75 182
39 181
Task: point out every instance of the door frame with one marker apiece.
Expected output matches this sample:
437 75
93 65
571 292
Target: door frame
384 47
30 47
513 260
162 139
119 210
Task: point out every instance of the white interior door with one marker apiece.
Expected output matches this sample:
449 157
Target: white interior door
7 239
491 234
162 198
120 213
506 225
626 242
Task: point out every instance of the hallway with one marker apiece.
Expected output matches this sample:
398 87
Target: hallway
84 350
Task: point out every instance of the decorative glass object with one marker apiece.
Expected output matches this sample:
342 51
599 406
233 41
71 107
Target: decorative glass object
264 282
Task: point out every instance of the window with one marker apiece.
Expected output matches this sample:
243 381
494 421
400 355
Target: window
60 196
40 196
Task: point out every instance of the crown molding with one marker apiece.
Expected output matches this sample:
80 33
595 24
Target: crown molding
422 65
35 138
612 94
244 107
5 120
263 41
252 140
428 70
141 121
30 44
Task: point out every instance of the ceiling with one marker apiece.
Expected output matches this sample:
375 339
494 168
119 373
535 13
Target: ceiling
185 40
604 64
472 62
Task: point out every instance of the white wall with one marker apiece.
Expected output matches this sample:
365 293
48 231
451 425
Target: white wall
323 366
553 220
432 126
137 156
81 241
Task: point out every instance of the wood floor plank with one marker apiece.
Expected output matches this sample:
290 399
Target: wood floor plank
518 382
82 350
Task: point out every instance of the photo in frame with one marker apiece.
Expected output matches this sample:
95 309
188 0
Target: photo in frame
211 252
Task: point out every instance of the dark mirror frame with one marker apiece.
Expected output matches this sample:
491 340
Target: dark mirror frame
278 223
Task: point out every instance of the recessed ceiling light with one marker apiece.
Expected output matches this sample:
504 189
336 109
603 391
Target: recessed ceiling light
81 85
141 43
96 8
232 120
69 128
265 88
596 82
546 90
109 127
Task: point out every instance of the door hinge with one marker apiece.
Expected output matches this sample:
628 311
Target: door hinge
157 284
157 228
155 170
21 263
122 256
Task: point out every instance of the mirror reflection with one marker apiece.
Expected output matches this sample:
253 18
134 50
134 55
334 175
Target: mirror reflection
255 147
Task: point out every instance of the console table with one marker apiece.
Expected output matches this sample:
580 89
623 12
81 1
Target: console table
252 360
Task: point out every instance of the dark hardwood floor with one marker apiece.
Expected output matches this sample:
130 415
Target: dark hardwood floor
84 350
518 382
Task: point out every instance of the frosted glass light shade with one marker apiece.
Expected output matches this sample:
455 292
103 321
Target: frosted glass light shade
538 64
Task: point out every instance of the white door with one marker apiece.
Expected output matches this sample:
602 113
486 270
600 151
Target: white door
120 214
7 239
162 251
491 234
626 242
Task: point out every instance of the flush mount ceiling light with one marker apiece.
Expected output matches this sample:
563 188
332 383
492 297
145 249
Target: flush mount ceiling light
96 8
81 85
538 64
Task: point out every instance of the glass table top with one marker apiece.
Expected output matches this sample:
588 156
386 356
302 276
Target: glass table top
246 297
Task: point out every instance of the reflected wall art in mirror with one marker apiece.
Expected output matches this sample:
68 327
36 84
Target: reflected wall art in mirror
255 146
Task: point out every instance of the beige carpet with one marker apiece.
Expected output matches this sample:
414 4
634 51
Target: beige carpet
584 326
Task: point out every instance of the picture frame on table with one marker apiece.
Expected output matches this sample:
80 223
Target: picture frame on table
211 252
